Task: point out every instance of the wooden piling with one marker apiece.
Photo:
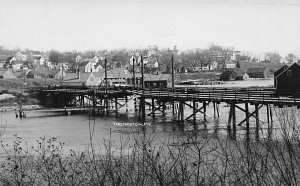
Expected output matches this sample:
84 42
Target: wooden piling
204 110
153 108
214 104
257 121
247 117
233 118
143 108
126 103
116 105
194 110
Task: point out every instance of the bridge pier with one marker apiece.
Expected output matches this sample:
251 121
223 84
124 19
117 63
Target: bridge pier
153 108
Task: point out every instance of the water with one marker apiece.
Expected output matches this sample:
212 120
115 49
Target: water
74 130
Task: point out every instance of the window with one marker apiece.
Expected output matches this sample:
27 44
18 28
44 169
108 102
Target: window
289 73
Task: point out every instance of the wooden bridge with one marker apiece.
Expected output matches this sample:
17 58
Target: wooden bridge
104 101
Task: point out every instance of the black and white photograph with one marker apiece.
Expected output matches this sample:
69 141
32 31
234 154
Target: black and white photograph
149 92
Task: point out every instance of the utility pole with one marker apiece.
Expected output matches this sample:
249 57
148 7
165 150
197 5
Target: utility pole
142 69
173 80
105 66
133 61
62 70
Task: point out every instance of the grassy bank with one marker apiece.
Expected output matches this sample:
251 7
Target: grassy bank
18 89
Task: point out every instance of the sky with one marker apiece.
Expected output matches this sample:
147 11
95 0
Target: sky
256 26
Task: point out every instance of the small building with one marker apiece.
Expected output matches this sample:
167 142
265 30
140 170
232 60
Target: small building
98 67
86 66
234 74
7 74
229 64
288 78
78 58
261 72
157 81
80 79
152 64
17 64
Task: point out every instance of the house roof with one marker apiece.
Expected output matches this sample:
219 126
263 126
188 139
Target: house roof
239 72
73 77
37 57
16 62
280 70
256 70
44 71
226 73
97 65
83 64
286 69
160 77
227 62
36 52
2 72
118 73
152 62
9 58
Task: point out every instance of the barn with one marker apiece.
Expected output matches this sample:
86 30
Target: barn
287 79
233 74
260 72
279 71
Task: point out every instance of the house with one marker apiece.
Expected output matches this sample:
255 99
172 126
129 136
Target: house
43 72
288 78
20 56
80 79
39 60
78 58
115 76
229 64
152 64
260 72
24 67
97 67
7 74
157 81
20 73
86 66
10 59
234 74
49 64
151 71
2 64
17 64
36 54
97 59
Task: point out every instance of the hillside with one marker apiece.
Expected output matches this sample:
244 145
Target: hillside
17 85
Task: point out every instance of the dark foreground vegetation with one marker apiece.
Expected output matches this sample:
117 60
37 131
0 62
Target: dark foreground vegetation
141 159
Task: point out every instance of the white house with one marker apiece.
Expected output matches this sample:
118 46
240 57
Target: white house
229 64
86 66
78 58
152 64
97 67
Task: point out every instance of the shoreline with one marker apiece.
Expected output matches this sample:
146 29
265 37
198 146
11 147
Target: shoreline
24 107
